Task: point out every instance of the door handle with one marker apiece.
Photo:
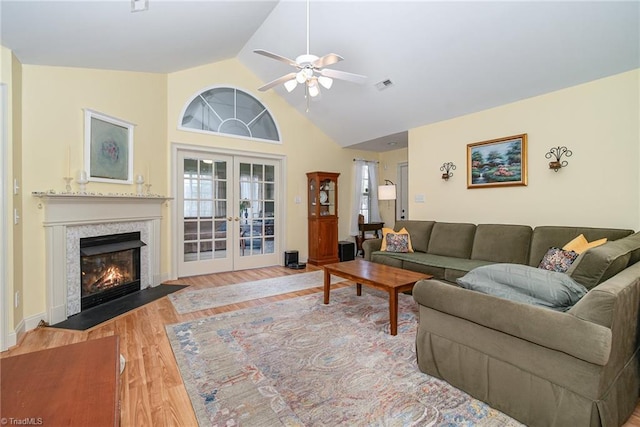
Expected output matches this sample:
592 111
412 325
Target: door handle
229 218
237 219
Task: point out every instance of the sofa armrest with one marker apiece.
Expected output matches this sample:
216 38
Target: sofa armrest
548 328
369 246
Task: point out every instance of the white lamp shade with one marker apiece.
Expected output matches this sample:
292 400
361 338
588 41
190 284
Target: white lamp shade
386 192
314 90
301 77
290 85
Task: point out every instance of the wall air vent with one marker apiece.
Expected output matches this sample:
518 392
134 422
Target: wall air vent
384 84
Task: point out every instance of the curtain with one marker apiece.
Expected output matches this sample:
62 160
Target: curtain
373 189
357 197
357 194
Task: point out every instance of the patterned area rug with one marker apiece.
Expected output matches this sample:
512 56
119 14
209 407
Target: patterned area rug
300 362
190 301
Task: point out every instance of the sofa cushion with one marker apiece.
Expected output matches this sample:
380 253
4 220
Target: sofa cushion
502 243
547 236
420 232
557 259
452 239
526 284
384 258
602 262
440 267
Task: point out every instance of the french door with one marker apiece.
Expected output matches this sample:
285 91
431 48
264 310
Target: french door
229 217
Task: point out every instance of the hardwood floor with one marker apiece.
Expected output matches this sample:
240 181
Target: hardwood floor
152 392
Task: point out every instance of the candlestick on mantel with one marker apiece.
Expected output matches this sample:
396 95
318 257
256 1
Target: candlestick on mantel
139 182
82 181
148 175
69 161
67 180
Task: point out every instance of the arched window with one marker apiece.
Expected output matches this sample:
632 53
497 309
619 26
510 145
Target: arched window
229 111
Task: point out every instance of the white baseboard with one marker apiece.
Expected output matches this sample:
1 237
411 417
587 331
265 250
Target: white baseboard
32 322
23 327
14 337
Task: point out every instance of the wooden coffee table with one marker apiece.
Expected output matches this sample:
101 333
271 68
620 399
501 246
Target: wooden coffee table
379 276
72 385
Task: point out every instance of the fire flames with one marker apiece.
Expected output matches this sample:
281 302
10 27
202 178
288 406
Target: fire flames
109 278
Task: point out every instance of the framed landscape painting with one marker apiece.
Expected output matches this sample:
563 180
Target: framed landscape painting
108 148
497 163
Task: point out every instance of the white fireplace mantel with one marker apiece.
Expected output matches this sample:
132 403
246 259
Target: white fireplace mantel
67 216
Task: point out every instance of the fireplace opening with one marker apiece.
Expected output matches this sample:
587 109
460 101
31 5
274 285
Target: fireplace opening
109 267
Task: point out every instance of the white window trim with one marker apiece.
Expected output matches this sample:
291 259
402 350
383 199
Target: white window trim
230 135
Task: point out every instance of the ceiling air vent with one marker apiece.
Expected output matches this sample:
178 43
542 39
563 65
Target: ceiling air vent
384 84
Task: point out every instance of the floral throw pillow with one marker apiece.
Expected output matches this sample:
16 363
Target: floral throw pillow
557 259
397 242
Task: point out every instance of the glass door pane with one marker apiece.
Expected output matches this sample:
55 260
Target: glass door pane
257 192
205 216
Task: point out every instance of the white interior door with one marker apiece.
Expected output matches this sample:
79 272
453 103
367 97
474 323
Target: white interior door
402 205
205 224
257 200
229 215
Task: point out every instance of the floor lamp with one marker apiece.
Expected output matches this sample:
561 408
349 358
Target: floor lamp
388 192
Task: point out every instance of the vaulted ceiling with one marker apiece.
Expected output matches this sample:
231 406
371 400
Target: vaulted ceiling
443 58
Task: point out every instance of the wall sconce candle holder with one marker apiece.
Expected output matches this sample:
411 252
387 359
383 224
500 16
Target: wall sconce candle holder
447 168
558 152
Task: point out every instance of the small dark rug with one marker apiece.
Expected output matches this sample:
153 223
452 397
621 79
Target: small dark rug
95 315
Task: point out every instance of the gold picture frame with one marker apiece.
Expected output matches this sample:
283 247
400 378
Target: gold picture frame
499 162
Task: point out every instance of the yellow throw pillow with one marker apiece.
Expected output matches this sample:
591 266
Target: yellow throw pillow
580 244
386 231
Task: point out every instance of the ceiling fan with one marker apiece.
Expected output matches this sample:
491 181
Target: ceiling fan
311 70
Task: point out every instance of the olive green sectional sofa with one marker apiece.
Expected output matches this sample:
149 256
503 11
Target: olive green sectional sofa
577 367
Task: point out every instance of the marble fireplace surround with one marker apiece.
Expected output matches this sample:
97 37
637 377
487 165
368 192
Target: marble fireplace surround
69 217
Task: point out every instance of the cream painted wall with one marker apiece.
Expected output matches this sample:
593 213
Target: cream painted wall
17 169
6 230
53 122
599 121
305 147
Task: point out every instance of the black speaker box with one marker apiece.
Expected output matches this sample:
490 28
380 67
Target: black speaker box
290 258
346 250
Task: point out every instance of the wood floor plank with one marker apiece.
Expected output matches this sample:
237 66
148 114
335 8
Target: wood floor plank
152 392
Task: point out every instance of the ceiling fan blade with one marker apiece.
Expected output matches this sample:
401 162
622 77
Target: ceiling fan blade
276 57
327 60
343 75
277 81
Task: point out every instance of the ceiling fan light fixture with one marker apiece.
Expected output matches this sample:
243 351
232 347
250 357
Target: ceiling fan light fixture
326 82
314 91
290 85
301 77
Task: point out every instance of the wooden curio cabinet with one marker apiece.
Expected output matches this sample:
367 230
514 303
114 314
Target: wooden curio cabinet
322 190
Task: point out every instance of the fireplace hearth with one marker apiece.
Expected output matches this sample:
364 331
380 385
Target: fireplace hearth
109 267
